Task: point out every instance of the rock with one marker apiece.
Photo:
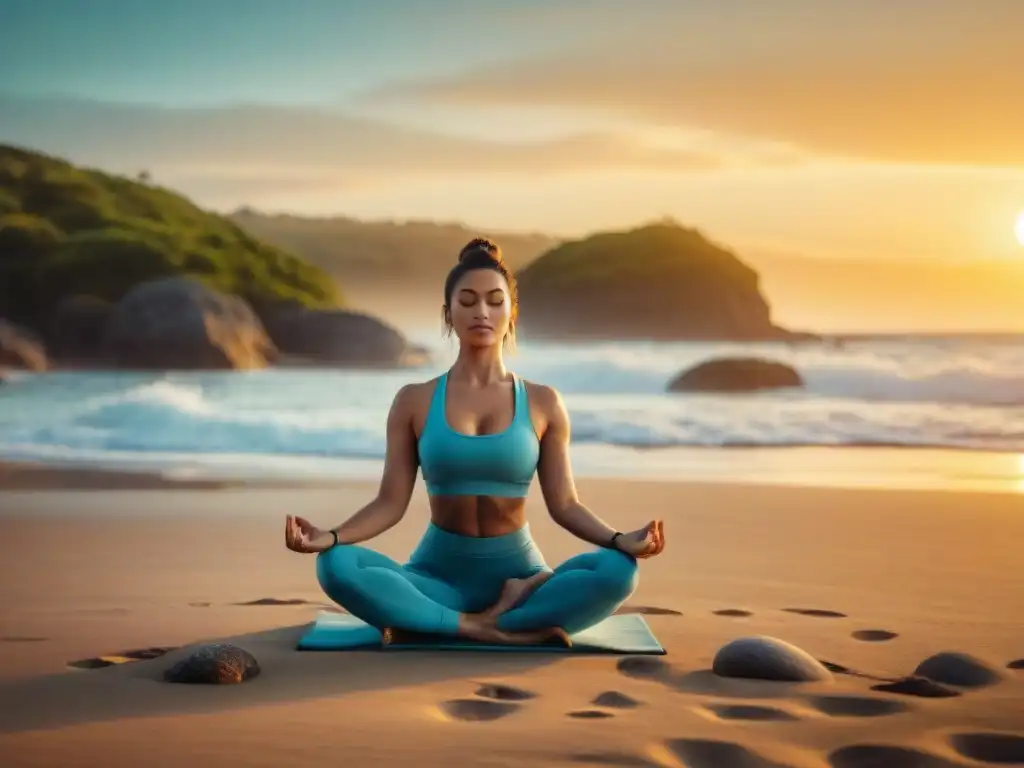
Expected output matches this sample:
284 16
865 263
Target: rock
661 282
338 337
215 664
77 327
959 669
736 374
180 323
20 349
767 658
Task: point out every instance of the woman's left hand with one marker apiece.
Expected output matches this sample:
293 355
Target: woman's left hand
644 542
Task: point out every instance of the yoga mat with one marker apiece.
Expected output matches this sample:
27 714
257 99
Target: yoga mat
625 633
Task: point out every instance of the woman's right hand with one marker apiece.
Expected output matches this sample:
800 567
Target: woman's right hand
300 535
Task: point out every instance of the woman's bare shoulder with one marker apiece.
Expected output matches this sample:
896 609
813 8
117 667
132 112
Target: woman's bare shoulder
415 397
543 396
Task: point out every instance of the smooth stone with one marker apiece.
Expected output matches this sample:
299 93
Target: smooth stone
768 658
959 669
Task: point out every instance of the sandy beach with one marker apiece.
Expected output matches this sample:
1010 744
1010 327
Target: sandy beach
875 580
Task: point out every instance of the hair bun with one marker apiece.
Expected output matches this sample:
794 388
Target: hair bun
480 250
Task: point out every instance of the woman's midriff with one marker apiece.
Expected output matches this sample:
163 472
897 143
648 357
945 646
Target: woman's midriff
478 516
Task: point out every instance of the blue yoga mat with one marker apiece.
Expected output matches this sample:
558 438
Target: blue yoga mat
626 633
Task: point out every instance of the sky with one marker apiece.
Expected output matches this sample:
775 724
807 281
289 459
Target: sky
864 129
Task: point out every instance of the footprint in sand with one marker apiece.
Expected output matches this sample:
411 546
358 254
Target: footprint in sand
921 687
856 706
478 710
590 714
873 635
123 657
819 613
884 755
615 700
992 748
22 639
707 753
647 667
199 604
494 701
649 610
737 613
616 759
502 692
1016 664
750 712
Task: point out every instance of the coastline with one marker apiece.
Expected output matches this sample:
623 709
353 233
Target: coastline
837 467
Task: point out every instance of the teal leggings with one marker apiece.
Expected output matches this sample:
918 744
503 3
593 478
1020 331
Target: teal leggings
449 574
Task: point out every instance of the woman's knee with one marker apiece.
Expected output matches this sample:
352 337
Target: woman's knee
618 571
336 565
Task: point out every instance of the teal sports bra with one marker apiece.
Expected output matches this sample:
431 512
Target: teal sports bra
501 464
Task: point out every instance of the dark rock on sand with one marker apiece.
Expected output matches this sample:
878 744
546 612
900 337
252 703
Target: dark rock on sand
738 374
215 664
768 658
180 323
20 349
1016 664
959 669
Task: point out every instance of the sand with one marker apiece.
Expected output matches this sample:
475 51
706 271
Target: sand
874 580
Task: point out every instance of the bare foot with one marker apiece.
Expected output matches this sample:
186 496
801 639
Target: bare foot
392 636
513 592
483 629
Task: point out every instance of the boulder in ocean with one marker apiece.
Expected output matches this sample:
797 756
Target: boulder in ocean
736 374
768 658
338 337
959 669
20 349
214 664
181 323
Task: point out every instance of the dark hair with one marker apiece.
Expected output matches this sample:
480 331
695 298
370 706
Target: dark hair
481 253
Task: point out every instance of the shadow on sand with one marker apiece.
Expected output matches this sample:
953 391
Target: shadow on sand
136 689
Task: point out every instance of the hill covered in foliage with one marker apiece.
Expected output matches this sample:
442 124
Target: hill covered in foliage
369 253
661 281
71 231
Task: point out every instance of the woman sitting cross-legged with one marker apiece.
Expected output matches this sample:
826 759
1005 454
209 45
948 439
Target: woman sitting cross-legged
479 433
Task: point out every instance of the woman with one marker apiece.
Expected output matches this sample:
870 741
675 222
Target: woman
478 433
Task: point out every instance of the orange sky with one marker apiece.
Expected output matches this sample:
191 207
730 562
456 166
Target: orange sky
869 130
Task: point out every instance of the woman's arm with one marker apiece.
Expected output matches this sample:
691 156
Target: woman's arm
401 463
555 474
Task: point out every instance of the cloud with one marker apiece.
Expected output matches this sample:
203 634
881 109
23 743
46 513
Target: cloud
304 146
911 82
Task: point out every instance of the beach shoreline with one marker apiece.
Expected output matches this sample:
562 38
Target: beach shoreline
87 575
838 467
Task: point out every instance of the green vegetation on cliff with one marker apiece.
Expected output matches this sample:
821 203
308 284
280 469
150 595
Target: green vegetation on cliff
66 230
383 251
660 281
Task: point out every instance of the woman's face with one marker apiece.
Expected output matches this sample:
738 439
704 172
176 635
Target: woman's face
481 308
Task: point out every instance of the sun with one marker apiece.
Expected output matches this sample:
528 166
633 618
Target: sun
1019 228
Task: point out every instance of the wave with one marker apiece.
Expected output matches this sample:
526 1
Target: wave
865 395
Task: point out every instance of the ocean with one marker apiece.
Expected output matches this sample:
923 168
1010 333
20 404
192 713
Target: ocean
937 393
